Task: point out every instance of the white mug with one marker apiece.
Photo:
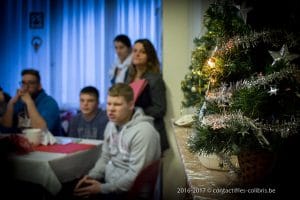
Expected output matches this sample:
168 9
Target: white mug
34 135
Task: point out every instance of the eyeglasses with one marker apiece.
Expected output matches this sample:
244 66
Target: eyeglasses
29 83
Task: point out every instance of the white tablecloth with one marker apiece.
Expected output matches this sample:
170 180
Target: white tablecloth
52 169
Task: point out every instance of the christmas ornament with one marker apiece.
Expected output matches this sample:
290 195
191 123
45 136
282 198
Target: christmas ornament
243 11
283 54
273 90
193 89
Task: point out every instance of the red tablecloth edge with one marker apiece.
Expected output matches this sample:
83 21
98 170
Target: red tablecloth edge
64 148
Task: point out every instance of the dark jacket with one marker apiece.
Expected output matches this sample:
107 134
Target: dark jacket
153 102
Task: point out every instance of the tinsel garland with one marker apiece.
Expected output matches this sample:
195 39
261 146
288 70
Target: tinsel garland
244 101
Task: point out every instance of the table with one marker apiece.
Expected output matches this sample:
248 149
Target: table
52 169
202 183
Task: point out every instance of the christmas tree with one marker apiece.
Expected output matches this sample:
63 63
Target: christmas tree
243 80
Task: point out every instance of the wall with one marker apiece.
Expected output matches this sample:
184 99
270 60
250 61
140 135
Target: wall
182 22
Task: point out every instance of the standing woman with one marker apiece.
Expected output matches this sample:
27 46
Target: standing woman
118 72
145 65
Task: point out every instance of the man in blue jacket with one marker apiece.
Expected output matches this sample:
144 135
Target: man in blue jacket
31 107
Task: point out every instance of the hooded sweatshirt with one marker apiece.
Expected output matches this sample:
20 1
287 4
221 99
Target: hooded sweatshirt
125 152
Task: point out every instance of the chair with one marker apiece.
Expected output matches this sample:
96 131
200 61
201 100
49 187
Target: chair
147 184
65 118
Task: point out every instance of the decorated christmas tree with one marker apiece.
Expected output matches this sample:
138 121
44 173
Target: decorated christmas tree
243 81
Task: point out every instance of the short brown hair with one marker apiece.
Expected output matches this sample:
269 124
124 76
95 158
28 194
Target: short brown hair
121 89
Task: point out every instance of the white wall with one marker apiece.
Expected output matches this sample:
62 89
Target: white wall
182 22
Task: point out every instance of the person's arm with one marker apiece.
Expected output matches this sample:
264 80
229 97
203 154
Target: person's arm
2 104
158 98
144 148
7 119
37 121
49 111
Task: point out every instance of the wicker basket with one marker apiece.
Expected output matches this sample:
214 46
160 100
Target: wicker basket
255 166
212 161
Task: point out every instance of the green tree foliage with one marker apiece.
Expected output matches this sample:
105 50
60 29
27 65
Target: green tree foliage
244 79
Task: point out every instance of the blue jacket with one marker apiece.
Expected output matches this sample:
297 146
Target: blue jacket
48 109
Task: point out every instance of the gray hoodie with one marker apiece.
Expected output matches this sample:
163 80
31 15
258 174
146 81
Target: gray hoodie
126 152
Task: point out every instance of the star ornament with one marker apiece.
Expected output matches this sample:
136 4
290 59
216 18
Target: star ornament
283 54
273 91
243 11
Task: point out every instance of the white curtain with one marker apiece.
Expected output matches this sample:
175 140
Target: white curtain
77 41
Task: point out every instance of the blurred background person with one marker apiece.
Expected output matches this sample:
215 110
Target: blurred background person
31 107
4 99
118 71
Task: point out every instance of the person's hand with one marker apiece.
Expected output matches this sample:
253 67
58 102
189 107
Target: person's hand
80 182
15 98
25 96
87 187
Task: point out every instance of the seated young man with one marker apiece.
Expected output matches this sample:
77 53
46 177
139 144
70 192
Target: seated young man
31 107
130 143
91 121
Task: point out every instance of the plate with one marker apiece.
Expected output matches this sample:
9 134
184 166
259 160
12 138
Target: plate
185 120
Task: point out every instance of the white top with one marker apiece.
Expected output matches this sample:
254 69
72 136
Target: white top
120 78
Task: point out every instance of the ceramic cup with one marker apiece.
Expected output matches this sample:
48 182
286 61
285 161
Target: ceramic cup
34 135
